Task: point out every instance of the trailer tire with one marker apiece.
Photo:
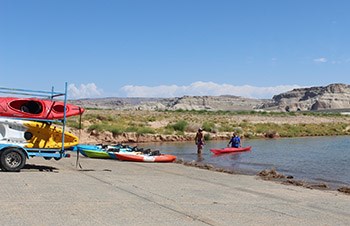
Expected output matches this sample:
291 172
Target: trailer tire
12 160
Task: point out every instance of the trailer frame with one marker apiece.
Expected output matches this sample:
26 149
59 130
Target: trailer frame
13 156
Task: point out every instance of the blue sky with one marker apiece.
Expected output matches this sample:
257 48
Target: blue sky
251 48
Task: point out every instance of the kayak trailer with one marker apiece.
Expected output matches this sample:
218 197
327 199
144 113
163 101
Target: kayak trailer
13 155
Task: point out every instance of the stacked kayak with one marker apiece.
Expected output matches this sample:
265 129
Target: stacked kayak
32 134
36 108
230 150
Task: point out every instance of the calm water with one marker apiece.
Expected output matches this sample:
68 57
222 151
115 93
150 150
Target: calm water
317 159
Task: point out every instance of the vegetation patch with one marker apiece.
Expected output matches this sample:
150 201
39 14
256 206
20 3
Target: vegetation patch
179 126
249 124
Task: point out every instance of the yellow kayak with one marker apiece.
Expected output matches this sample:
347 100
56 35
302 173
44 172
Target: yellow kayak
32 134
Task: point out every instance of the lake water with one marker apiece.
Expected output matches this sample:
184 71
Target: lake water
316 159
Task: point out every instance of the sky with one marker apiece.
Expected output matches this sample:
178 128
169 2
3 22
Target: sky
171 48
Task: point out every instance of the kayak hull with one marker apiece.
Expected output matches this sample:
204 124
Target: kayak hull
100 154
135 157
124 153
230 150
36 108
32 134
96 151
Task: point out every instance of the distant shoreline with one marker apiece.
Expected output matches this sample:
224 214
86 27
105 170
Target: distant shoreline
118 126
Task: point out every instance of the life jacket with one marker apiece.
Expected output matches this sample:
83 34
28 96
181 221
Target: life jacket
235 142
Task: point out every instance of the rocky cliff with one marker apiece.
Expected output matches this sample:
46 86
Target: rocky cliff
334 96
225 103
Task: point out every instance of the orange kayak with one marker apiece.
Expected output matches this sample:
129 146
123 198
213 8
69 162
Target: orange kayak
36 108
230 150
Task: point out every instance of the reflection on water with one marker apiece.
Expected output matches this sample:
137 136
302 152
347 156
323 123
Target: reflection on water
316 159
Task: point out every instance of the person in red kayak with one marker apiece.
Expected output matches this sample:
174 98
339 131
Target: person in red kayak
235 141
199 140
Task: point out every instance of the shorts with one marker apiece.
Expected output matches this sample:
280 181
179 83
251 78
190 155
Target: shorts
199 144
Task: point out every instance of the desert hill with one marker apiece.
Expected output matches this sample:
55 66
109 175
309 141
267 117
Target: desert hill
331 97
214 103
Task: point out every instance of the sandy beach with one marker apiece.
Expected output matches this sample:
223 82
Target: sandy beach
107 192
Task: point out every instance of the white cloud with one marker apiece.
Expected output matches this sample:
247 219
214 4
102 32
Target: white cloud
205 88
83 91
321 60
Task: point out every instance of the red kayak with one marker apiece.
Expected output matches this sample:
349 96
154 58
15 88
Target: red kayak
36 108
145 158
230 150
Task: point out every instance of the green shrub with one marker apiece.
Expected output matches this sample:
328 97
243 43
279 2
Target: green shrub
226 127
145 130
98 127
180 126
131 129
208 126
116 130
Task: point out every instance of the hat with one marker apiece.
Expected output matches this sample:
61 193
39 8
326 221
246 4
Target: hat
200 129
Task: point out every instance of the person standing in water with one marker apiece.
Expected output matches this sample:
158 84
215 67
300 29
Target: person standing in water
199 140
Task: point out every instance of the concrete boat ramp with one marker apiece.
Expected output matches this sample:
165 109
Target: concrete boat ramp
109 192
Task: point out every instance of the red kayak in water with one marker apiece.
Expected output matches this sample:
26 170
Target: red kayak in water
230 150
36 108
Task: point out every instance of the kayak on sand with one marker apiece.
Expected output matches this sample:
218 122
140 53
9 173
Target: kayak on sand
230 150
139 157
102 151
122 152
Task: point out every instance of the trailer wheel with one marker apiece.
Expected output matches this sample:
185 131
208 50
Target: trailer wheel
12 160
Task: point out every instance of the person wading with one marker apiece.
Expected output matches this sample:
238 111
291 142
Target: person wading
199 140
